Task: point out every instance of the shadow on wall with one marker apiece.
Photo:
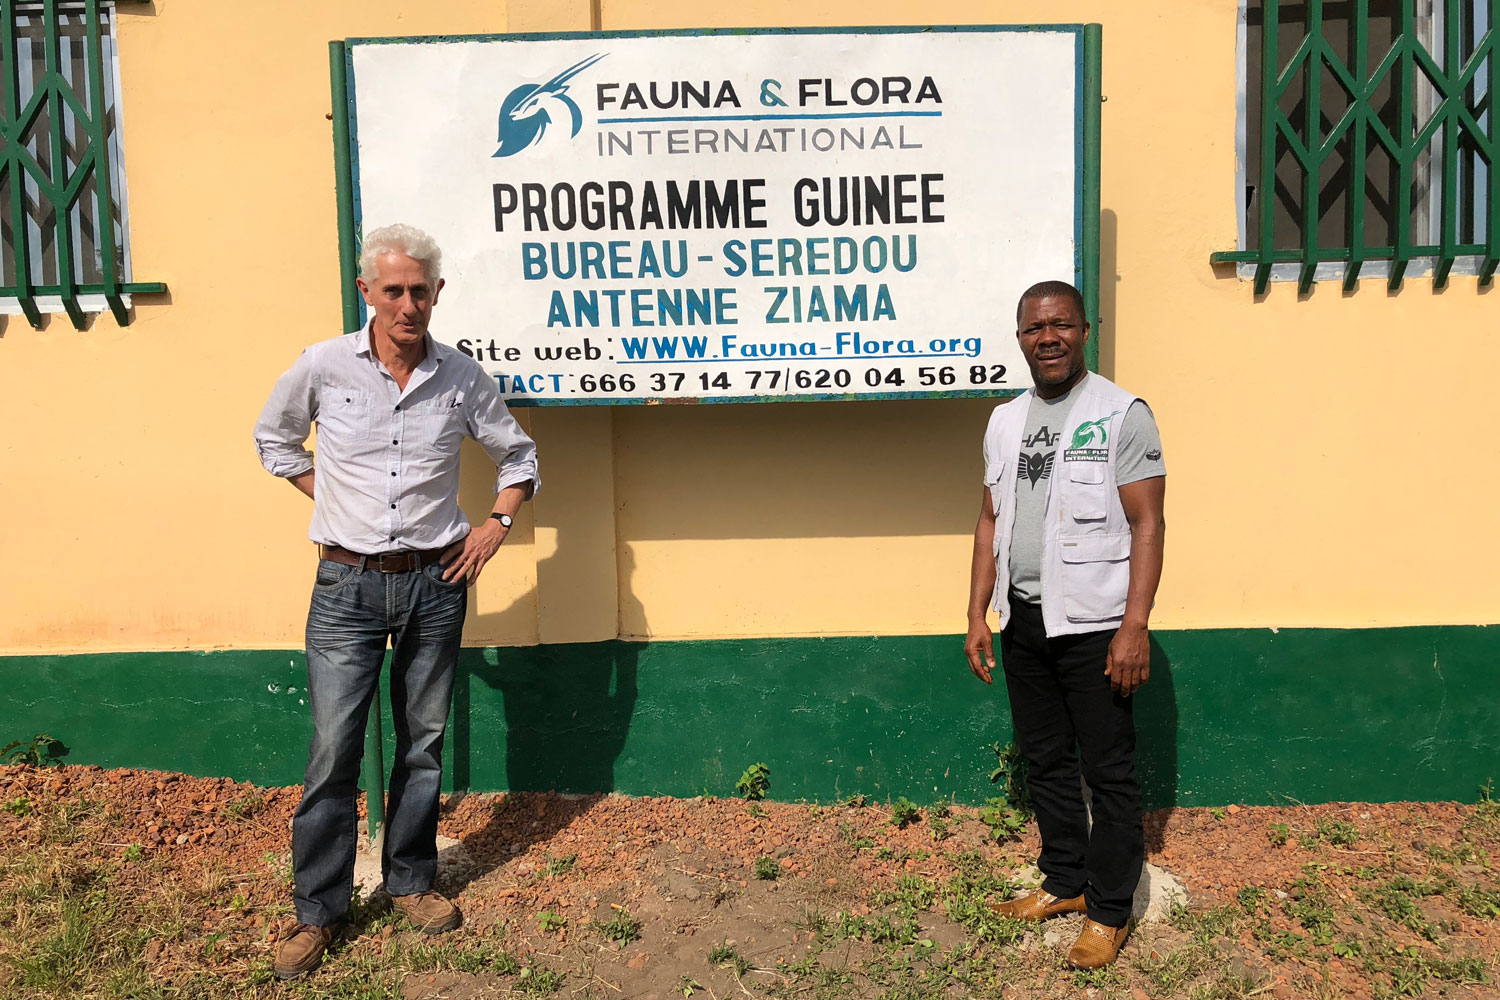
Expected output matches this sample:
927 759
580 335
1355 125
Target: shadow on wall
567 711
1156 744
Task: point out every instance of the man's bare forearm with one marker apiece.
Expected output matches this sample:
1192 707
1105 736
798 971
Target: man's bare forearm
1146 553
982 568
304 482
1144 502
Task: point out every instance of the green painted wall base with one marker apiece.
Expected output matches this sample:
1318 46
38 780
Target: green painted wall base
1230 715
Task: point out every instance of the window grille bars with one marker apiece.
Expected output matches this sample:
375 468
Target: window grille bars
47 167
1464 110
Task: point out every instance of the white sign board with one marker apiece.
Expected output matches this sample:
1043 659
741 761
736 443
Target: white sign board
740 216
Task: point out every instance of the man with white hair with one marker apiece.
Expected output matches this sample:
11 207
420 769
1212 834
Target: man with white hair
397 556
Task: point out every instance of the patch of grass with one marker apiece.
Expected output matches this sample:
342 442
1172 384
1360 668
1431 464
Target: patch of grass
539 980
550 921
1478 901
904 812
1179 966
242 808
813 919
621 928
1397 900
1250 897
559 866
767 869
1338 832
754 783
938 819
1204 925
1311 905
911 895
132 854
725 956
18 806
852 837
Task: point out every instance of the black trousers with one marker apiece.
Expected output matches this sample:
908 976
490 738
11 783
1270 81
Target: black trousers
1065 712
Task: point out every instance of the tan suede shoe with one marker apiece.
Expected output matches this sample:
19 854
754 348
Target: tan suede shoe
1038 905
430 911
1097 946
301 950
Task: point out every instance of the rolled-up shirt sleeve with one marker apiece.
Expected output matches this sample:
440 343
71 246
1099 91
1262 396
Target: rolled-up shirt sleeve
287 419
491 424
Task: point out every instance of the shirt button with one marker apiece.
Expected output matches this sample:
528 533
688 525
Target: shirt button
398 407
393 538
393 475
394 441
393 506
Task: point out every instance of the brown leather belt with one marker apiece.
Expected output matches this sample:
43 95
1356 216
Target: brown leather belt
382 562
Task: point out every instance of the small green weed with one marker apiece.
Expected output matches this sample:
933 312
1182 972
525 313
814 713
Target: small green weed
18 806
1278 834
622 928
1010 767
132 854
754 783
1004 820
688 985
550 921
767 869
1218 814
904 812
42 750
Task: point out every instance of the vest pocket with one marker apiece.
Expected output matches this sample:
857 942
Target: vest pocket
1087 496
1096 576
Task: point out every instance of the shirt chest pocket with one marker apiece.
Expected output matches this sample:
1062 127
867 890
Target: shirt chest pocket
437 423
1087 492
343 412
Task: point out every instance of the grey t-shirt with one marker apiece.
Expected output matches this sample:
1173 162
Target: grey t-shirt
1137 456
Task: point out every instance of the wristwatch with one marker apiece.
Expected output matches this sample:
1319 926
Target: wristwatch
505 520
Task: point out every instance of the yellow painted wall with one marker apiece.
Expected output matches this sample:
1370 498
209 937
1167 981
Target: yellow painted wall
1322 453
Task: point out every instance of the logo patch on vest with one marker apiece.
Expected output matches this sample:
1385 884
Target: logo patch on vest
1090 441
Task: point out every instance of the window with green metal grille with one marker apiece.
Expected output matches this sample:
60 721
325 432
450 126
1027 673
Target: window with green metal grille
63 220
1368 141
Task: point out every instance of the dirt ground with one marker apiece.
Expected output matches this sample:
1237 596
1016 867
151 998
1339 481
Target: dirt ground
145 884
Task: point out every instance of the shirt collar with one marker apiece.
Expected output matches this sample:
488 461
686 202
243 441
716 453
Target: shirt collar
363 349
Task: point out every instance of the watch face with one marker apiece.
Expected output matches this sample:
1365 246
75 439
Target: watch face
505 519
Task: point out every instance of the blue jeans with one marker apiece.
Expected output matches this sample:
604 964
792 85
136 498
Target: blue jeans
353 615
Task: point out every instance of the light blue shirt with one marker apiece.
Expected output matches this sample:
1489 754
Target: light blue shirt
387 459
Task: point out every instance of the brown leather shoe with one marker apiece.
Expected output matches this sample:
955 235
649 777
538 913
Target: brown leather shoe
1097 946
1038 905
431 911
301 950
